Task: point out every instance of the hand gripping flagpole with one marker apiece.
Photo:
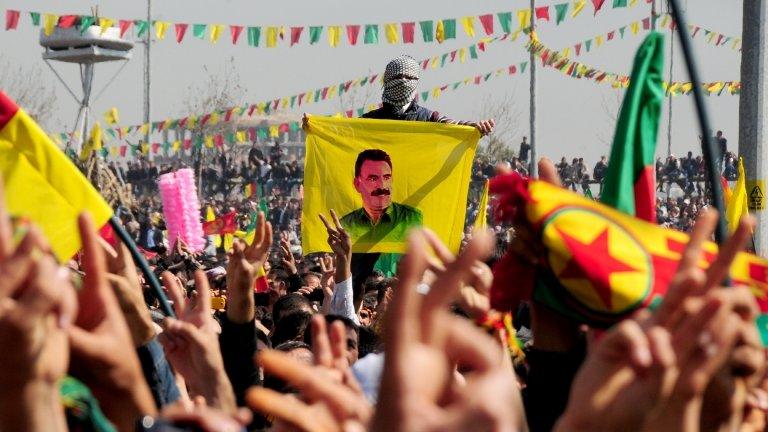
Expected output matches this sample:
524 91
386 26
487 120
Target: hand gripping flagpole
708 146
138 258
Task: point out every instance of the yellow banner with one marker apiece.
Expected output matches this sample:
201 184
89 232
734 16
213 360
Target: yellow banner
385 177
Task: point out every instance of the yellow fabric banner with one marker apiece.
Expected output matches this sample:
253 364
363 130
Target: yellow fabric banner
42 184
399 174
481 221
736 205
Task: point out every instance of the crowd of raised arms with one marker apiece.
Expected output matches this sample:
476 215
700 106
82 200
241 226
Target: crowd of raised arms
85 346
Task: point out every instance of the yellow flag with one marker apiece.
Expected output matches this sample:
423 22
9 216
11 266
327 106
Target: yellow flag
635 27
208 140
241 136
191 121
211 216
598 41
161 27
425 168
632 3
274 132
468 23
578 5
391 32
214 119
334 35
144 129
463 55
481 221
436 92
216 31
272 37
524 18
49 23
42 184
715 87
440 32
112 116
105 24
176 145
93 144
737 206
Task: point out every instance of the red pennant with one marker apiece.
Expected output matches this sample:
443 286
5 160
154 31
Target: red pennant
673 25
373 78
352 32
67 21
349 114
155 147
512 69
477 80
578 48
611 34
11 19
187 143
296 35
219 141
183 122
425 64
481 46
695 30
487 22
251 110
283 128
597 4
719 39
181 30
234 31
123 150
324 93
408 31
252 134
301 97
646 24
160 126
205 119
275 104
542 13
124 26
453 56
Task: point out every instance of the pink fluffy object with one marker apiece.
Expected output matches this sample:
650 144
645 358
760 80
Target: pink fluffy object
181 209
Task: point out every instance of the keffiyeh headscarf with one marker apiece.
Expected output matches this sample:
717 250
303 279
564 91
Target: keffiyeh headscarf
401 79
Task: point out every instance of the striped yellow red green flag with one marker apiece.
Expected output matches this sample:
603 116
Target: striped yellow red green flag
599 264
41 184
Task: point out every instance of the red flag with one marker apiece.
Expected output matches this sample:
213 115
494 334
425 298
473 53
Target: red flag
542 13
296 35
123 150
155 147
487 22
183 122
512 69
187 143
181 30
597 4
67 21
578 48
221 225
408 31
349 114
284 128
205 119
235 31
219 141
11 19
647 24
352 32
228 114
251 109
124 26
611 34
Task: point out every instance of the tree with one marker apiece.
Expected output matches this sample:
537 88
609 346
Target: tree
499 144
27 88
357 97
611 105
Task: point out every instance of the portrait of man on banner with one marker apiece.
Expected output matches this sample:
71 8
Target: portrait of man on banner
385 178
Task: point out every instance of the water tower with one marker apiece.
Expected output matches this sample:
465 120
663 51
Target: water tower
85 48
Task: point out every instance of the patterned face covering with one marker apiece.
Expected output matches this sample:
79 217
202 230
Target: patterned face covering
401 79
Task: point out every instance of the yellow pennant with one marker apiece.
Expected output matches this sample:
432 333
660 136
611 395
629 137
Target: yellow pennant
524 18
391 32
216 31
440 32
208 140
468 23
578 5
49 23
161 27
274 132
272 37
105 24
334 35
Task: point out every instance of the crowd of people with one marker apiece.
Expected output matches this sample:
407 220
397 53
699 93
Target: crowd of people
267 338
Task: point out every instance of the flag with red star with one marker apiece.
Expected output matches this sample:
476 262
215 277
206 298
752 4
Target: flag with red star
592 262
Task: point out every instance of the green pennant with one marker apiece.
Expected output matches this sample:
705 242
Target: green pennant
488 76
588 44
449 26
254 35
198 31
314 34
318 93
294 126
35 18
427 30
293 100
561 10
364 81
621 31
268 108
473 52
104 152
456 85
442 60
86 22
371 34
619 3
360 112
424 96
505 19
111 133
523 65
261 133
231 138
141 27
166 147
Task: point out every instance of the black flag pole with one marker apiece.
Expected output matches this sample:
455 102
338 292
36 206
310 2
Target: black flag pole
708 146
138 258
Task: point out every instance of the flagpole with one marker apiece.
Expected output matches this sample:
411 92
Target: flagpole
138 258
708 146
533 171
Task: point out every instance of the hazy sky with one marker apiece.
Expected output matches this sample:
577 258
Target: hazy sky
571 117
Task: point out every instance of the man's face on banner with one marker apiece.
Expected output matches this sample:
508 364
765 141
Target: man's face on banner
375 184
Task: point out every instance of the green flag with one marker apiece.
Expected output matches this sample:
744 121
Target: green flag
198 31
473 52
86 22
449 26
562 10
505 19
140 26
619 3
371 34
427 30
35 18
629 181
254 35
314 34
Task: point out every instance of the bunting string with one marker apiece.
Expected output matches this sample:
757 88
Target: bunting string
271 36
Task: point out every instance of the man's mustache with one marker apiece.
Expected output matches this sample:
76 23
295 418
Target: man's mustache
379 192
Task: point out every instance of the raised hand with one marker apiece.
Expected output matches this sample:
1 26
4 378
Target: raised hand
245 261
331 399
124 280
287 256
192 345
103 354
341 245
424 342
